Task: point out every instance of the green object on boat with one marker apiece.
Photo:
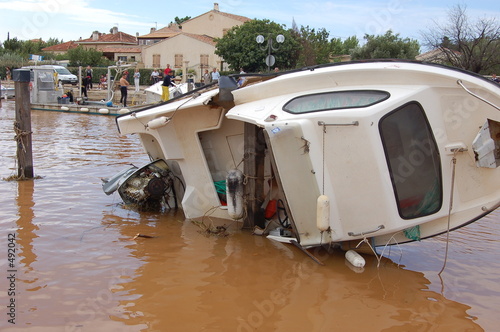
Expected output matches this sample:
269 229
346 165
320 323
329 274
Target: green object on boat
220 186
413 233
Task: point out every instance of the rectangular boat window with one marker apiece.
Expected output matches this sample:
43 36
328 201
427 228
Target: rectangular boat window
413 160
334 100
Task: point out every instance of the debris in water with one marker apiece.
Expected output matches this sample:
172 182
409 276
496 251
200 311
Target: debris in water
211 229
143 235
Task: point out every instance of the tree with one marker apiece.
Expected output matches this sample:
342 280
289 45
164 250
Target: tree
179 21
79 56
339 47
386 46
473 46
239 48
315 47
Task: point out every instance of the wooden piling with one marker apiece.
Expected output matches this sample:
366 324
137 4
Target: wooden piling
22 125
254 171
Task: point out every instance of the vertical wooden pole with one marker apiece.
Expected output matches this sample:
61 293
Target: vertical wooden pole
254 170
22 125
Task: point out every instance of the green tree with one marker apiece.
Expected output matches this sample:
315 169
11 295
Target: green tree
13 45
339 47
239 48
179 21
79 56
386 46
315 47
466 44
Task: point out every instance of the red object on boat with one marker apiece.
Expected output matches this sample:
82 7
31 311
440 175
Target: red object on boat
270 209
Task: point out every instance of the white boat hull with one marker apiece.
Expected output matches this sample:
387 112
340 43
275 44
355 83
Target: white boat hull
385 160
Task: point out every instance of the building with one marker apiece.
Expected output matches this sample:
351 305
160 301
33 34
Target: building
116 45
192 45
156 36
60 48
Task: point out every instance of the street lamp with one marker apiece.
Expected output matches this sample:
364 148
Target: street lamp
270 59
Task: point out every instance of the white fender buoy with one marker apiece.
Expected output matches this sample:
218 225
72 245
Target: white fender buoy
84 109
354 258
234 193
323 213
103 111
64 108
158 122
123 111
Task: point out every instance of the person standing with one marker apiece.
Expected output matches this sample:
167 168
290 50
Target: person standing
215 75
88 73
85 84
165 88
123 89
206 77
137 77
167 71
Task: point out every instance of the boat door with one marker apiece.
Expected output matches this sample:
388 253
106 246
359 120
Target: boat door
295 174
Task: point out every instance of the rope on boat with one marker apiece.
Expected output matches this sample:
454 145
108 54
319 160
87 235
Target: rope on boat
459 82
454 161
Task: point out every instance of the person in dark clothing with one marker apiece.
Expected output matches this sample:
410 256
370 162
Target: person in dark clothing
167 83
88 73
84 86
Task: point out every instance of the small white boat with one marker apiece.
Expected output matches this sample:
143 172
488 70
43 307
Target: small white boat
154 92
7 92
388 151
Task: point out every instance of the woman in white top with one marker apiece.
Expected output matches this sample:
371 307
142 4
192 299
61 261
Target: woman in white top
137 76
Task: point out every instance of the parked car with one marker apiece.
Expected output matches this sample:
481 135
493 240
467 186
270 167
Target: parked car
63 74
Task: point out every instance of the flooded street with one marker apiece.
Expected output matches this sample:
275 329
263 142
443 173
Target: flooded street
78 267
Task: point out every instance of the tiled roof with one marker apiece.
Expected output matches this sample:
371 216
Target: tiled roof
63 47
202 38
120 37
234 17
111 49
165 32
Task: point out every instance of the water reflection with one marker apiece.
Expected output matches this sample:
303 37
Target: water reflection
192 282
25 226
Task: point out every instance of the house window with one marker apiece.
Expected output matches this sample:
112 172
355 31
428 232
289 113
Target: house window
132 58
122 58
204 61
156 60
178 61
413 161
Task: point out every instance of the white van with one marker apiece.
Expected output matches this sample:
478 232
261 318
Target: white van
63 74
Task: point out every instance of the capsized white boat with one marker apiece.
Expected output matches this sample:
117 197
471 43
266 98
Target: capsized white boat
390 151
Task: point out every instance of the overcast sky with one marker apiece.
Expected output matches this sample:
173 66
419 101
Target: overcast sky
72 19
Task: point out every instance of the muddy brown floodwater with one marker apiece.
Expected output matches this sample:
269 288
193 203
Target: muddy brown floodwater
78 268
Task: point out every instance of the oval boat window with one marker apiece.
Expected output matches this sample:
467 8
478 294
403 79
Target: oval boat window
335 100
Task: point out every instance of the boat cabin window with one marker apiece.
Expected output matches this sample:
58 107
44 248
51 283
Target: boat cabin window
413 160
334 100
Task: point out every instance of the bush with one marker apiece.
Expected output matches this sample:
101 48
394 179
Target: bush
98 71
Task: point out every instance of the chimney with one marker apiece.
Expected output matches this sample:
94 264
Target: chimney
152 30
114 30
95 35
216 6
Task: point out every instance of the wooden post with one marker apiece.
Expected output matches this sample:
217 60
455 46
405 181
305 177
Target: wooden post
22 125
253 167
